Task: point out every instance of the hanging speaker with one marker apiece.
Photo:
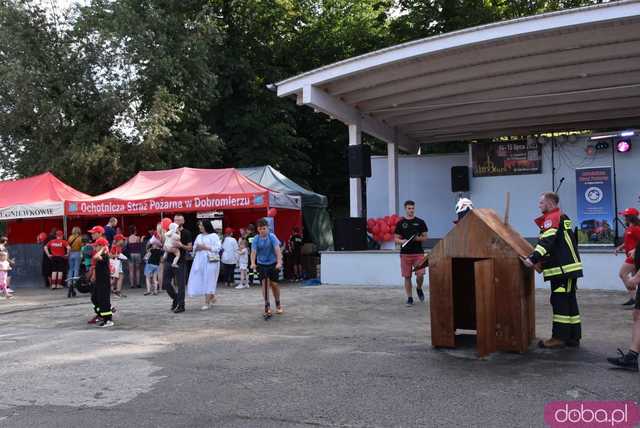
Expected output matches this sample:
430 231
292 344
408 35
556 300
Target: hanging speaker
459 178
359 157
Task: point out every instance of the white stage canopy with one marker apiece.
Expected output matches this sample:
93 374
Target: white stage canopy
572 70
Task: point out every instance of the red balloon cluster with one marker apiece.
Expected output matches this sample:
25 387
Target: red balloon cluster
383 228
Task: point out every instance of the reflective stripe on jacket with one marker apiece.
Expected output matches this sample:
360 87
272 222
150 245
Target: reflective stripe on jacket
557 248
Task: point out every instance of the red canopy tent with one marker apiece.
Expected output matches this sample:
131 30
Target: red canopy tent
193 190
35 204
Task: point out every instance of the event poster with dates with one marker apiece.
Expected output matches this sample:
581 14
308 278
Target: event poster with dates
506 158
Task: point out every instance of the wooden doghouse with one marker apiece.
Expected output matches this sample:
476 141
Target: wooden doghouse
478 282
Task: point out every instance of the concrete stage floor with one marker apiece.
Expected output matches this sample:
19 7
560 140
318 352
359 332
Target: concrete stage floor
339 356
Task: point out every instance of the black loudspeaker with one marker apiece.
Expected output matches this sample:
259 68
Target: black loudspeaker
350 234
359 161
459 178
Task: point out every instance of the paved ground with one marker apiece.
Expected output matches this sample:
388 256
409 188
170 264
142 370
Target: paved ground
340 356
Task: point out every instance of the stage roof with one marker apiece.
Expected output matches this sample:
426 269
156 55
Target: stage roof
570 70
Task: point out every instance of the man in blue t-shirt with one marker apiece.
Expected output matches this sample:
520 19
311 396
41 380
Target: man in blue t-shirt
267 258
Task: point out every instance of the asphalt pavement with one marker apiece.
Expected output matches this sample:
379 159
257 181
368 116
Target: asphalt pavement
339 356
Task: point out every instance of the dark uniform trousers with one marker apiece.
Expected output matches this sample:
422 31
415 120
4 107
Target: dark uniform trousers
101 293
103 301
94 300
557 251
566 316
180 275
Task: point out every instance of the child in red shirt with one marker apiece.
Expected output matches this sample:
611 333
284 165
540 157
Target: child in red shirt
57 250
631 240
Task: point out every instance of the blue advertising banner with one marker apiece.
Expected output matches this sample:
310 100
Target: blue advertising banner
596 213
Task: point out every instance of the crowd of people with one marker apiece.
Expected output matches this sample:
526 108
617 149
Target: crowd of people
167 258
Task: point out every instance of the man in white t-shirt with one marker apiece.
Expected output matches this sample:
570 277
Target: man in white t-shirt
229 257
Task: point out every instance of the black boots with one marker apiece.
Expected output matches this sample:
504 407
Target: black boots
628 361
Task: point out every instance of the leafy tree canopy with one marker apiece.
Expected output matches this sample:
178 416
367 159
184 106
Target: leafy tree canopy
113 87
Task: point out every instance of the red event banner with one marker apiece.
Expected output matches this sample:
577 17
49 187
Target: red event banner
156 205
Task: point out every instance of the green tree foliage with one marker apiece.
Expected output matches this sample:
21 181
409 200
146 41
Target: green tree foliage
424 18
268 41
223 83
171 50
114 87
56 111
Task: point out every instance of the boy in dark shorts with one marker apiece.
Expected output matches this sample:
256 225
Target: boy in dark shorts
629 361
266 257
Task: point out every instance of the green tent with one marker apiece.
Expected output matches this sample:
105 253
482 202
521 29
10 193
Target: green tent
315 216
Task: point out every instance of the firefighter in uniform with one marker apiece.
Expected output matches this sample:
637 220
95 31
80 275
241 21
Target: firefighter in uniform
101 288
557 254
96 232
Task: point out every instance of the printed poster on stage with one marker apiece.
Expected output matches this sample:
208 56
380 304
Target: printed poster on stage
596 212
506 158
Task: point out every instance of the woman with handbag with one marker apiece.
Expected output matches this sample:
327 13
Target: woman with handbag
203 278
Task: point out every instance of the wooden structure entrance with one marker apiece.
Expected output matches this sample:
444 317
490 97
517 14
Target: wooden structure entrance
477 282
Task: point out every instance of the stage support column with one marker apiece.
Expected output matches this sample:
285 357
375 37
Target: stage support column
355 185
392 168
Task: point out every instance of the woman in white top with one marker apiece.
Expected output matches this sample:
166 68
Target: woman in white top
203 278
229 257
